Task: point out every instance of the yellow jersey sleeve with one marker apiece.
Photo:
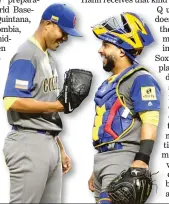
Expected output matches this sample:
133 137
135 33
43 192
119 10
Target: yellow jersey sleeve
8 101
150 117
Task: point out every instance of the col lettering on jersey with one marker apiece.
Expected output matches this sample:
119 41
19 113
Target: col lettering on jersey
49 84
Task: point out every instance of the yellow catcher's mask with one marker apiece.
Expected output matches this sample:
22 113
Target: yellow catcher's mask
130 32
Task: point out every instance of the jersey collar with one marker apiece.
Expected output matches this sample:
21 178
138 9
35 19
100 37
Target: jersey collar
33 40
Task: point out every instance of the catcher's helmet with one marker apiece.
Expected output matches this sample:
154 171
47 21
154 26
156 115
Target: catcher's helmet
130 32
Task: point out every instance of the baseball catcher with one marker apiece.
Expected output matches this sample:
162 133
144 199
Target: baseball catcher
75 89
127 107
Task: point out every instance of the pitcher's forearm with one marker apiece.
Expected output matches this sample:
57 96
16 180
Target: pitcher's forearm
29 105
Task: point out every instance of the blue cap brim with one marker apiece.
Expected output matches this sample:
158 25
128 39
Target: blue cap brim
70 31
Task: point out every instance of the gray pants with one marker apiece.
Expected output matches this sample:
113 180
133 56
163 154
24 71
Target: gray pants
35 167
108 165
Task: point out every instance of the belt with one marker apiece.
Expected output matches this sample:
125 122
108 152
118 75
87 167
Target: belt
46 132
110 147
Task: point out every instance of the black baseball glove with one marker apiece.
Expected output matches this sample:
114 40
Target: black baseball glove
131 187
76 88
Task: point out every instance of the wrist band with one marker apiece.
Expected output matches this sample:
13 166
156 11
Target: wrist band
143 157
146 147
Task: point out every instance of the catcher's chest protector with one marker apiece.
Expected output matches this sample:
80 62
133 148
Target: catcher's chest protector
113 118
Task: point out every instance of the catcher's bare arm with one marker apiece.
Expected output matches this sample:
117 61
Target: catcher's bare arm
147 137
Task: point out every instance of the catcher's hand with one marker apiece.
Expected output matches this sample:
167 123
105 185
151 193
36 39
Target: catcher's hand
75 89
131 187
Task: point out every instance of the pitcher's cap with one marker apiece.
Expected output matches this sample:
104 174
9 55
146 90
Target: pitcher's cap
63 16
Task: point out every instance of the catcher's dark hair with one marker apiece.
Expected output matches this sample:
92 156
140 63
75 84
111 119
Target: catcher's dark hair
133 53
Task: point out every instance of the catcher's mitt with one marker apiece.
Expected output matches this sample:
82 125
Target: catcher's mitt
75 89
131 187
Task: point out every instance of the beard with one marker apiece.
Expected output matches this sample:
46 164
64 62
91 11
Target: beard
108 67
